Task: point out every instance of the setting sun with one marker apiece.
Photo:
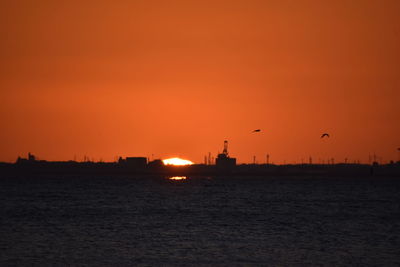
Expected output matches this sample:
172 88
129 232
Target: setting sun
177 162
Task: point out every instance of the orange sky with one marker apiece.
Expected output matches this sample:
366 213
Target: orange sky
176 78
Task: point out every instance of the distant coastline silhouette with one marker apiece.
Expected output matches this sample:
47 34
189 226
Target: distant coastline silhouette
224 165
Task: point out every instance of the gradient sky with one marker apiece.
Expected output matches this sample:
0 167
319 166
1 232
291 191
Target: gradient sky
176 78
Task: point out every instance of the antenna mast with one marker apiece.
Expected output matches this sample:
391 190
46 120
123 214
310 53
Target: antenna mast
225 151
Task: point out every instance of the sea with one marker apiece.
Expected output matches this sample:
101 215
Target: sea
62 220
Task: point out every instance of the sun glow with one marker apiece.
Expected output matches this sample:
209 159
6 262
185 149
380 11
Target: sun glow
177 162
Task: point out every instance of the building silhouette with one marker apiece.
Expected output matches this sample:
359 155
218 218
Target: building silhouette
133 162
31 158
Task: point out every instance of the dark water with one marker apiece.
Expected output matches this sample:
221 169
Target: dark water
126 221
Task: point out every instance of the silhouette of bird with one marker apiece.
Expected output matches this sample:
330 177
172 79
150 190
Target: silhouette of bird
256 131
325 134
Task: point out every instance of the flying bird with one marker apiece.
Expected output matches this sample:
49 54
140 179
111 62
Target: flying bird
256 131
325 134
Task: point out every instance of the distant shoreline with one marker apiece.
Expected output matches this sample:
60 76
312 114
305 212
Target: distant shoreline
92 168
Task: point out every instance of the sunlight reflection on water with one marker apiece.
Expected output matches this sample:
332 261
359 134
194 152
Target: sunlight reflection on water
177 178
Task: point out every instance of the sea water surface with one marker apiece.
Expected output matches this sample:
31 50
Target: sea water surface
209 221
